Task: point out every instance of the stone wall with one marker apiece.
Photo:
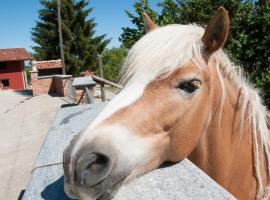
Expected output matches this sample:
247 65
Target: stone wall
55 84
80 94
61 84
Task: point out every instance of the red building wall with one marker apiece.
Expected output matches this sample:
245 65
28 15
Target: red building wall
14 73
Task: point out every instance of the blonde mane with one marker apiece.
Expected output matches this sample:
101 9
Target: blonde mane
170 47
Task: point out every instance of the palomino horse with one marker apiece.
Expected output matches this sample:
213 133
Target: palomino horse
183 98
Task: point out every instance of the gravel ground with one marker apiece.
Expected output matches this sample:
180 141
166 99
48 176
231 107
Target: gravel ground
110 92
24 122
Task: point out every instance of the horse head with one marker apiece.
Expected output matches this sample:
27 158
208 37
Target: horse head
159 116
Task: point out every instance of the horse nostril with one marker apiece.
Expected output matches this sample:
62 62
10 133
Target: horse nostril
92 168
97 162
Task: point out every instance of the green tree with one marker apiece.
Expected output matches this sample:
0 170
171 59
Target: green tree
131 35
112 63
200 12
80 43
242 20
249 38
170 13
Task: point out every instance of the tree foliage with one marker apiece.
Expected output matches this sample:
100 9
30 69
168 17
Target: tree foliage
249 38
112 60
81 45
131 35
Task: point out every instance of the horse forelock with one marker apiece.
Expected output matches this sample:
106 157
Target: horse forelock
161 51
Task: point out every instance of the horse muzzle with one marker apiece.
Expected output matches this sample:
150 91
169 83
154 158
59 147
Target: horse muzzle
90 173
97 164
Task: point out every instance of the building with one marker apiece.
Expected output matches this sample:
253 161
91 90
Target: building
87 73
12 68
46 77
48 67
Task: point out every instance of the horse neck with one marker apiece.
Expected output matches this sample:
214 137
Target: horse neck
225 150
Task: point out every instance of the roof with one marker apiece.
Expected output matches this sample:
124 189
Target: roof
83 81
14 54
48 64
87 73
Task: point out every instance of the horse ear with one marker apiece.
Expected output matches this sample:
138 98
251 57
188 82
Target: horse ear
148 23
216 32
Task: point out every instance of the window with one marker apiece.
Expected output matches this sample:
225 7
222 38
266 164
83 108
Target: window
3 65
4 83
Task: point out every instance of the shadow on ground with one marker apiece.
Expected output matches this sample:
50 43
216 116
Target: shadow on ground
55 191
27 92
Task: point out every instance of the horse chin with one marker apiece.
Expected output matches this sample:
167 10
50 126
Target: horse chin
109 193
104 190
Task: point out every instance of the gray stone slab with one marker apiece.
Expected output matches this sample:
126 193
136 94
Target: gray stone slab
83 81
180 181
183 180
68 122
46 183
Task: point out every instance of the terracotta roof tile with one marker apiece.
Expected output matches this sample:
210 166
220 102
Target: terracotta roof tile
48 64
87 73
14 54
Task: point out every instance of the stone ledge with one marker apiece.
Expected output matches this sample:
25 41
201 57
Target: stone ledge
183 180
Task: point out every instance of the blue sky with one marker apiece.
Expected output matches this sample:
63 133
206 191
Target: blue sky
17 17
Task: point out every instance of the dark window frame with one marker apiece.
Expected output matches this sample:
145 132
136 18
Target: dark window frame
2 81
3 66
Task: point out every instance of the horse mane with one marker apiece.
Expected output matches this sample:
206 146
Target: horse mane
170 47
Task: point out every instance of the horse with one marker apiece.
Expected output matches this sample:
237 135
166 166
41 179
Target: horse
182 98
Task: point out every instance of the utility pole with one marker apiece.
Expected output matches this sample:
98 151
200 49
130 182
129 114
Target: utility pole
60 37
103 97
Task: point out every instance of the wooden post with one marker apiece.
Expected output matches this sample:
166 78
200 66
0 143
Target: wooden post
60 37
103 97
89 96
81 98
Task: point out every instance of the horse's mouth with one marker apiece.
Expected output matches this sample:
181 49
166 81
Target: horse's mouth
109 193
104 190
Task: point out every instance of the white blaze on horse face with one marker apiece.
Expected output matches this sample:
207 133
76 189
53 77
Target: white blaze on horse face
126 97
129 156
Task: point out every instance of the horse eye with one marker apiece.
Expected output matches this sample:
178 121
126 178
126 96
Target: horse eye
189 86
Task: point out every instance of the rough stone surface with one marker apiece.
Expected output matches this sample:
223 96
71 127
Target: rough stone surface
180 181
83 81
68 122
48 171
183 180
